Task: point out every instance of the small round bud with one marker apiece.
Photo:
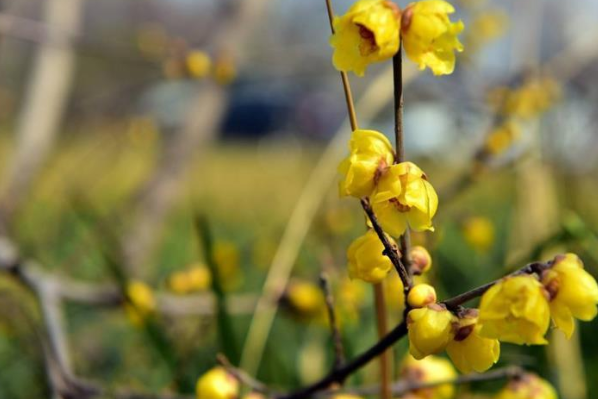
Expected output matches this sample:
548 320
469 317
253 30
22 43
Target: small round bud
421 295
217 384
421 261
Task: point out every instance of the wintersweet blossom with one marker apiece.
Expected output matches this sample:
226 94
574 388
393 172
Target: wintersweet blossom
367 261
468 350
141 302
367 33
217 384
429 36
529 386
404 197
429 370
515 310
421 295
573 292
430 330
370 156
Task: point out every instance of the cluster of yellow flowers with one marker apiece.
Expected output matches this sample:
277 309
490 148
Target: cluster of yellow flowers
195 278
372 30
197 64
140 303
517 309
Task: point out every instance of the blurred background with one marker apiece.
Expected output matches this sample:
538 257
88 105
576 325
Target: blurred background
171 142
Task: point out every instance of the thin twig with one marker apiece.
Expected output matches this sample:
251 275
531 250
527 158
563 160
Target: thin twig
242 376
344 76
339 352
389 249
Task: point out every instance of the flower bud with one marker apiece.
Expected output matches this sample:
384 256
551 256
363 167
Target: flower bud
421 295
528 386
430 330
429 370
305 298
217 384
141 302
421 261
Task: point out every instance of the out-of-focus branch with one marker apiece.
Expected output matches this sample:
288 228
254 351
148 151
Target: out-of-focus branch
339 352
156 198
43 107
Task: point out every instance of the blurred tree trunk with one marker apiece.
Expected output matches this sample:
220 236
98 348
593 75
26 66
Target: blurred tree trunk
44 103
157 196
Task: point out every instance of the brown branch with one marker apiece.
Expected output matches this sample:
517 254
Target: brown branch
339 352
389 249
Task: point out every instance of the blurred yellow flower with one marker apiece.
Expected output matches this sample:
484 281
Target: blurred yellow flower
485 26
535 96
141 302
502 137
421 260
227 258
403 198
198 64
529 386
217 384
306 299
429 37
224 70
430 330
515 310
367 33
366 259
346 396
421 295
351 295
573 292
370 156
478 231
429 370
468 350
196 278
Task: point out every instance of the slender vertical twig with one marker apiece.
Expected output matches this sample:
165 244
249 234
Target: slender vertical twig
339 352
397 68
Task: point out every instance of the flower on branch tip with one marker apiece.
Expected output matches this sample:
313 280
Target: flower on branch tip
535 96
421 260
428 371
430 330
141 302
366 258
404 198
502 137
573 292
370 156
429 36
217 383
515 310
468 350
367 33
528 386
421 295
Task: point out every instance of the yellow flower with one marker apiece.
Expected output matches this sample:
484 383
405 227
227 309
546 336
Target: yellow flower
573 292
141 302
198 64
468 350
479 233
367 33
501 138
515 310
306 299
366 259
529 386
429 370
485 27
430 330
224 70
227 259
217 384
535 96
404 197
346 396
421 295
421 261
430 37
370 156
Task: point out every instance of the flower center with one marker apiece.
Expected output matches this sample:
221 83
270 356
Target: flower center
400 207
367 44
